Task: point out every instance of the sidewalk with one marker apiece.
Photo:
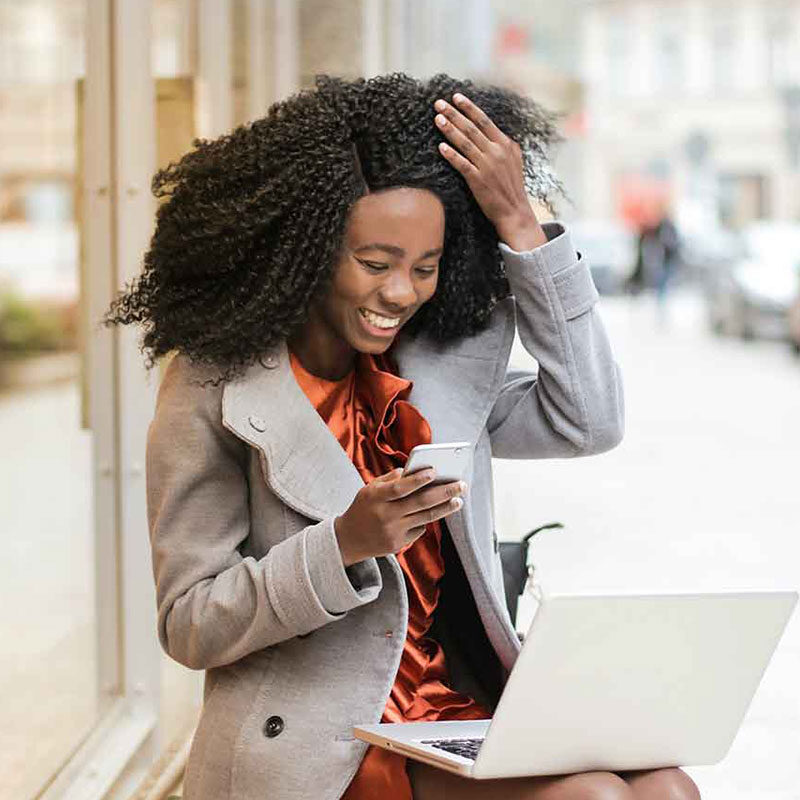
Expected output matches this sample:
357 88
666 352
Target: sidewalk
701 495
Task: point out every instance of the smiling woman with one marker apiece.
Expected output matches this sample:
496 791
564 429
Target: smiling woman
343 280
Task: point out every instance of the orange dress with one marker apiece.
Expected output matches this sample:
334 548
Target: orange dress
370 415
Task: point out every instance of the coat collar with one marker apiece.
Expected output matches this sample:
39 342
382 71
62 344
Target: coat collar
454 387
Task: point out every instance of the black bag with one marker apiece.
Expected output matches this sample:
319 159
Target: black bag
514 558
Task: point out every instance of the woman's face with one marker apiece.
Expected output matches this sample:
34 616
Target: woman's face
387 268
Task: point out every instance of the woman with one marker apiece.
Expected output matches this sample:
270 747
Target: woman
337 281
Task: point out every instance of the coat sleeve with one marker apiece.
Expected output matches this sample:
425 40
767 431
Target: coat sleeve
214 604
574 404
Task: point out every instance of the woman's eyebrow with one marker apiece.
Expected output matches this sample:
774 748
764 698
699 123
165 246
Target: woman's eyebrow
394 250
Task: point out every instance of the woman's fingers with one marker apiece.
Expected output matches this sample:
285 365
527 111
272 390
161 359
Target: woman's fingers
422 518
397 486
479 117
412 535
463 135
390 476
463 165
432 496
470 151
467 126
490 162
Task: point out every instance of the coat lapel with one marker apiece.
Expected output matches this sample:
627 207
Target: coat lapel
303 462
455 388
455 384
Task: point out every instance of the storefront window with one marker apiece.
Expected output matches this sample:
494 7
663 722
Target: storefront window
47 588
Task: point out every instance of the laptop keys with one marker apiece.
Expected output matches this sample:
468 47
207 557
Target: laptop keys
466 748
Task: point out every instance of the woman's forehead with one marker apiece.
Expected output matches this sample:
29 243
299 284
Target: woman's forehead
401 218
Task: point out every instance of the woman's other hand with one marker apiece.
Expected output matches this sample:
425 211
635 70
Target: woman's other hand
491 164
392 511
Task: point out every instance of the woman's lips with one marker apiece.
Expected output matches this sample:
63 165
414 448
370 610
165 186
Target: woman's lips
374 330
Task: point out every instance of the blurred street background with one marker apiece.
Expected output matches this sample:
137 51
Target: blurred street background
700 496
681 163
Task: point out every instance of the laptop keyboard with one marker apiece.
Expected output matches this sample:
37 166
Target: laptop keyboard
466 748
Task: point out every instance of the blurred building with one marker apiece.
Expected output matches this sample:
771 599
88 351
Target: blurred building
537 52
697 101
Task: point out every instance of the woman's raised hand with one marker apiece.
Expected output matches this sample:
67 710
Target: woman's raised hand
491 164
392 511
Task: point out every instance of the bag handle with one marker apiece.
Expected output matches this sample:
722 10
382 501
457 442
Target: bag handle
517 571
528 536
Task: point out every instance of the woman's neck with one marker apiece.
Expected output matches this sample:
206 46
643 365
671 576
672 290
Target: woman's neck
321 352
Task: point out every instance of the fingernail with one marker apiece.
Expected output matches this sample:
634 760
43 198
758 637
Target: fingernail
440 105
458 502
458 97
430 475
462 487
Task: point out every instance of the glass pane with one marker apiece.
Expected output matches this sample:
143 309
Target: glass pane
48 673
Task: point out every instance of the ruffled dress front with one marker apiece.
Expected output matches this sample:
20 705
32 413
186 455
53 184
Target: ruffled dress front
369 413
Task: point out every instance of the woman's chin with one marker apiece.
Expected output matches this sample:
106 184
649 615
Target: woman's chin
373 347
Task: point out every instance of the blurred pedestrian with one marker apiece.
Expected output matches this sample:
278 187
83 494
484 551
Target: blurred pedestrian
667 253
657 259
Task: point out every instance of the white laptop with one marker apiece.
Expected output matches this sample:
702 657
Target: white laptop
613 683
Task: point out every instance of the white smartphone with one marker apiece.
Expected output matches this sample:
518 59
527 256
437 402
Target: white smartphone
450 460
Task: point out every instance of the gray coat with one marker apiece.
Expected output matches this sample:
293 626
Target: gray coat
244 481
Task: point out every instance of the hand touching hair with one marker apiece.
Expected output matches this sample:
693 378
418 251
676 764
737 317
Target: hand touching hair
253 221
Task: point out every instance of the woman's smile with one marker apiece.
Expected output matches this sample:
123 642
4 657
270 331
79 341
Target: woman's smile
379 324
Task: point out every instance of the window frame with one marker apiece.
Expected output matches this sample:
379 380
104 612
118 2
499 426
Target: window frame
117 212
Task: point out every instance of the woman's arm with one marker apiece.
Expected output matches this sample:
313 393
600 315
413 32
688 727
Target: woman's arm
574 404
214 605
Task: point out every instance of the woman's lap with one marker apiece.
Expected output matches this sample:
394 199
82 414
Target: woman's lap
430 783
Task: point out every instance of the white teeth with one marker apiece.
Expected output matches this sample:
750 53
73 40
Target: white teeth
378 321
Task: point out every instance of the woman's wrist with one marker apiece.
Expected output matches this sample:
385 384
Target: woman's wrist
522 233
338 527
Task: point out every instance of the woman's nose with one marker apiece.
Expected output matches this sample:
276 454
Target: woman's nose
398 291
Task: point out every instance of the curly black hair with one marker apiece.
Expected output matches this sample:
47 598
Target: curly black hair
253 221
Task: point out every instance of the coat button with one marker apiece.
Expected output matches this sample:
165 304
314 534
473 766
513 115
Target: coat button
270 361
389 634
273 726
257 423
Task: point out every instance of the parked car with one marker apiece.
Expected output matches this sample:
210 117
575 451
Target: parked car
750 295
707 249
610 249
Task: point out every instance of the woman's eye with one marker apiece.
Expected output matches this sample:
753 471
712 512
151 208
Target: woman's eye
374 266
